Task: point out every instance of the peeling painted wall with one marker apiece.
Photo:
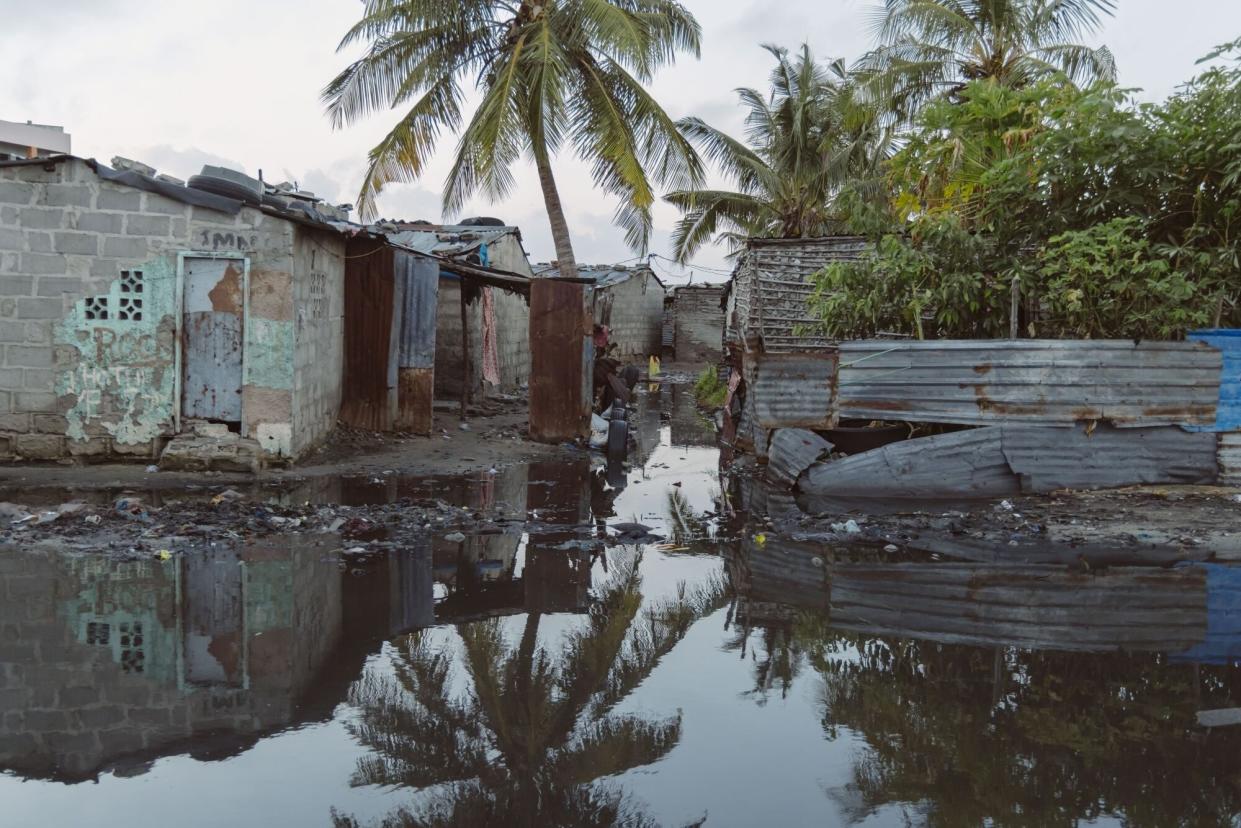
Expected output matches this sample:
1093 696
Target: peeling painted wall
89 357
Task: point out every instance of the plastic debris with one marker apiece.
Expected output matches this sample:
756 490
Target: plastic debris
163 554
455 537
849 527
152 469
891 547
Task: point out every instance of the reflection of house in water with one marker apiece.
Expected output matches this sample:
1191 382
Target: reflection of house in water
108 659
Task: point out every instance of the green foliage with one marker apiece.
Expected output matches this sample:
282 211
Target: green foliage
931 49
551 76
709 391
1115 220
1106 279
805 139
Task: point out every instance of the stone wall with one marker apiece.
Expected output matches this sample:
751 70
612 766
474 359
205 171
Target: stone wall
699 324
89 318
636 325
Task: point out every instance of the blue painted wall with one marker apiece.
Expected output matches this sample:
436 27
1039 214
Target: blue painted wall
1228 341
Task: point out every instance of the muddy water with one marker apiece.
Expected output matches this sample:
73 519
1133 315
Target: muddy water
574 669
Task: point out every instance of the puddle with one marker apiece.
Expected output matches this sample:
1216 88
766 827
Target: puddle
572 669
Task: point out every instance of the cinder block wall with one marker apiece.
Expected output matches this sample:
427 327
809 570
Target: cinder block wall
74 384
637 315
318 367
699 324
512 330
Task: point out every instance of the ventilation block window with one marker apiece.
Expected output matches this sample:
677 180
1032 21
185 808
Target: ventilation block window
130 309
97 307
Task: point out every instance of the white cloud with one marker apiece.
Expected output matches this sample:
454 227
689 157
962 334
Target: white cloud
185 83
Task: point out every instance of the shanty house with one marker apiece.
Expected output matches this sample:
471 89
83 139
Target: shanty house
134 308
497 321
629 301
769 294
699 323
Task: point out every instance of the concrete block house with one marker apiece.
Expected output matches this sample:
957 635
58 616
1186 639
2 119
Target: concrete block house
699 321
134 309
629 301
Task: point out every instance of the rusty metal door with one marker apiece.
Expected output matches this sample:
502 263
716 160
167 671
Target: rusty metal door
212 339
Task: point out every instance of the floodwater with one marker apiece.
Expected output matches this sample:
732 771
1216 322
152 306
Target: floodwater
555 674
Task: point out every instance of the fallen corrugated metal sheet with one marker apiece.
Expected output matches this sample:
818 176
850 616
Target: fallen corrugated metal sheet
1036 382
1047 608
750 435
1228 410
793 450
1229 458
792 390
1005 460
962 464
1047 459
773 284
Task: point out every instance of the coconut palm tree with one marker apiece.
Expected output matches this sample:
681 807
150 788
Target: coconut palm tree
526 745
931 48
551 74
804 140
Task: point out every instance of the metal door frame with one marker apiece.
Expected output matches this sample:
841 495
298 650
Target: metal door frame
179 404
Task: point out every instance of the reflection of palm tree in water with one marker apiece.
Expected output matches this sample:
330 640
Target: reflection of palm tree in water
527 745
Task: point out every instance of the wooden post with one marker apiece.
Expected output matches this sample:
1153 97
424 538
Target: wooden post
465 355
1014 320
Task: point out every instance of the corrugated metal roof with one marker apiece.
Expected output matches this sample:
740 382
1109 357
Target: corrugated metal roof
442 240
772 286
1228 410
792 390
962 464
793 450
1047 459
1048 382
1039 607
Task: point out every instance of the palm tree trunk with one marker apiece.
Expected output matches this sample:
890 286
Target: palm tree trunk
566 263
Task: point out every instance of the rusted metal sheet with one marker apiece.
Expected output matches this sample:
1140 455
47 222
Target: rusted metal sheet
792 390
750 435
561 360
961 464
1228 411
793 450
373 310
1047 459
1035 382
1229 459
1003 460
212 339
1039 607
772 287
419 278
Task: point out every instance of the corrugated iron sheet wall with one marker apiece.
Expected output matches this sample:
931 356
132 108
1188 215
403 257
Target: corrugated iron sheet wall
773 285
792 390
1048 382
1228 411
1229 458
369 393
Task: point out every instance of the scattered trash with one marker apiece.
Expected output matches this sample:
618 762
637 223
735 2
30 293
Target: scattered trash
131 508
464 426
94 520
227 496
816 561
1006 506
455 537
152 469
849 527
891 547
163 554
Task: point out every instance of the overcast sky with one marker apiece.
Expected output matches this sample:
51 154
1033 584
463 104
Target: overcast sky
181 83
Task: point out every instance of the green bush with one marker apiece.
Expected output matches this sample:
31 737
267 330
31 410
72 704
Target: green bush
709 390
